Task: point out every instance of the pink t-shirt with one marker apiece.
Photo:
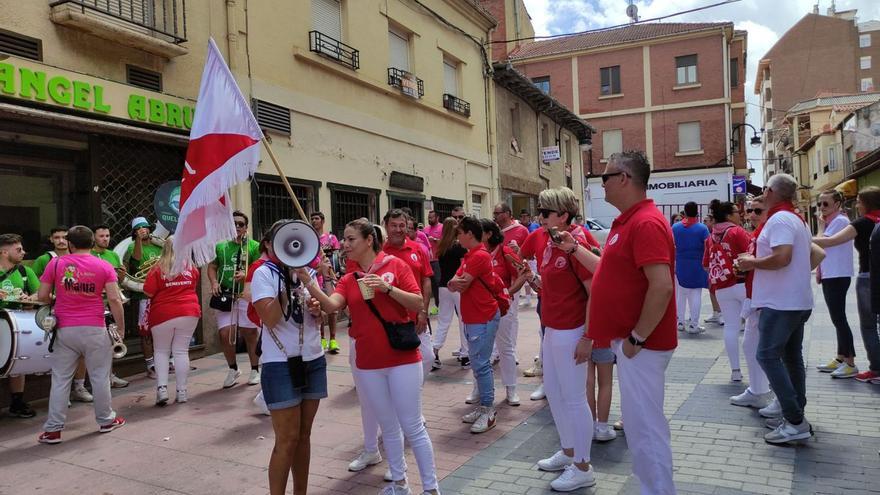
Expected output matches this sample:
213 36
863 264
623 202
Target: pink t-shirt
79 281
434 233
328 239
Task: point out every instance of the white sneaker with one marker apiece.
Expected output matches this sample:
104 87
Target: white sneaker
845 371
116 382
254 378
604 433
736 376
486 421
715 318
181 396
556 462
395 489
472 416
536 370
474 396
748 399
231 377
538 394
388 477
512 397
787 432
573 478
364 460
680 326
80 394
161 395
260 402
695 329
774 410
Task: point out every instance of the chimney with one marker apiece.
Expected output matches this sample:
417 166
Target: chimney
816 8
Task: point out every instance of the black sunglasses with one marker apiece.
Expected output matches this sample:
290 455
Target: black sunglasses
545 212
825 204
605 177
240 224
757 211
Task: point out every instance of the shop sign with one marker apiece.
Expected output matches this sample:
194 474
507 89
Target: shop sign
32 81
550 154
166 204
739 184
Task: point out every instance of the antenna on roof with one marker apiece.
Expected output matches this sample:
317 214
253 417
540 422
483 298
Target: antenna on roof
632 12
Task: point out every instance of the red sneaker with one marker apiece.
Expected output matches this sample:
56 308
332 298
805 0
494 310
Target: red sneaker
50 437
119 422
867 376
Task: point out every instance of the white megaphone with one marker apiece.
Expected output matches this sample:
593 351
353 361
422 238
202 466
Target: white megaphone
295 243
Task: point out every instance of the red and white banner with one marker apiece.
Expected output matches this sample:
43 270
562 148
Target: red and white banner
224 150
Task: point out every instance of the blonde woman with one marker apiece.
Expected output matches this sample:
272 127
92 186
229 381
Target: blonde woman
174 312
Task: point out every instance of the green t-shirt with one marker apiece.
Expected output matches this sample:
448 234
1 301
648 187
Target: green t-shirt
109 256
148 252
14 286
227 259
40 263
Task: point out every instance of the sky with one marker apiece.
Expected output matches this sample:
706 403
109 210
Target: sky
765 20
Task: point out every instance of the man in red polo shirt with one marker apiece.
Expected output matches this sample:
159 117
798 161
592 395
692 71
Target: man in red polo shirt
632 305
399 245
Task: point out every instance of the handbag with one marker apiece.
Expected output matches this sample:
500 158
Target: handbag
223 301
401 336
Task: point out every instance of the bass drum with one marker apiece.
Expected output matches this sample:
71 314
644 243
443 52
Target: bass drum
23 346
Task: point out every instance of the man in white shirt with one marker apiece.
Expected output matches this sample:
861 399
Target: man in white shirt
784 298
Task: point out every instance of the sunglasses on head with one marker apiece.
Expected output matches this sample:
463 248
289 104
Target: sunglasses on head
545 212
605 177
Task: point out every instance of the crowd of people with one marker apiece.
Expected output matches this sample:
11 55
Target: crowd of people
621 304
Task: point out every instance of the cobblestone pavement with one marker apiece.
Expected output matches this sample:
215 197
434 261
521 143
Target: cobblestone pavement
218 444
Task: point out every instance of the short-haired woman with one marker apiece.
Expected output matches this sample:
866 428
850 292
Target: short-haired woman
173 316
391 378
294 369
476 281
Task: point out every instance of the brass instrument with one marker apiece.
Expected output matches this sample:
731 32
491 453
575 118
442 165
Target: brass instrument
135 282
119 348
241 265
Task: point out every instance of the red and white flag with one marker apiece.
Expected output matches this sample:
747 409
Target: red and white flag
224 150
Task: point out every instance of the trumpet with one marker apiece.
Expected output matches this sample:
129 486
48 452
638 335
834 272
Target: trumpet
119 348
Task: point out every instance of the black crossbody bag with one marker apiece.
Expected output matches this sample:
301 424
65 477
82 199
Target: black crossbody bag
223 301
401 336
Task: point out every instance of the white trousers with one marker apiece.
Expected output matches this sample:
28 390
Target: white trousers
395 395
731 301
505 342
450 303
758 382
368 417
172 337
688 299
641 381
427 351
71 343
565 384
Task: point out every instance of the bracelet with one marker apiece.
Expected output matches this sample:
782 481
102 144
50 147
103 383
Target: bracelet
390 288
572 250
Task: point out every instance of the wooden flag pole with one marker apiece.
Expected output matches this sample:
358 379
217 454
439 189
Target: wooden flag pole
266 142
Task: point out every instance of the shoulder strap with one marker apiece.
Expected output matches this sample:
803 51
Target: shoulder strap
8 273
24 278
370 303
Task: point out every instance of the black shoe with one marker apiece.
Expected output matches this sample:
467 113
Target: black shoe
21 410
465 363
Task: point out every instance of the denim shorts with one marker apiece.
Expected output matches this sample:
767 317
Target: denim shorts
602 355
278 387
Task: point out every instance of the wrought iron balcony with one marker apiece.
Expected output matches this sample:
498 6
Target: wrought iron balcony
456 104
164 19
408 83
335 50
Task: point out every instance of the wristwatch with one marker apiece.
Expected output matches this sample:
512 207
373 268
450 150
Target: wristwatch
390 288
634 339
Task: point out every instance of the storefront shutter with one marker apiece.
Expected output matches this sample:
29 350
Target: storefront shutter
327 18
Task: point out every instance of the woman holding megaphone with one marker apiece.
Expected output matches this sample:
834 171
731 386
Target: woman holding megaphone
379 295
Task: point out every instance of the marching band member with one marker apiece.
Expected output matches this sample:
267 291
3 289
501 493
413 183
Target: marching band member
294 375
174 314
102 250
330 245
391 378
18 285
140 252
78 280
227 275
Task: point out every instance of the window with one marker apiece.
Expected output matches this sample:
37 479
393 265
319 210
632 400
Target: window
832 159
865 62
610 80
689 137
543 83
545 135
768 115
612 142
327 18
867 84
398 49
734 72
864 40
450 77
686 70
515 131
270 200
350 203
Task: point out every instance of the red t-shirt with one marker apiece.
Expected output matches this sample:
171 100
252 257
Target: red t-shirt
478 305
563 296
502 265
414 256
640 236
750 275
734 240
172 298
515 232
371 342
251 310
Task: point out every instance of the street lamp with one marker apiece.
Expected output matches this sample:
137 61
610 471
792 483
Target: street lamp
755 139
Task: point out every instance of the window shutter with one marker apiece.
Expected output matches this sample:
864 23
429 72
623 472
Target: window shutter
398 50
686 61
327 18
450 78
615 79
612 142
689 136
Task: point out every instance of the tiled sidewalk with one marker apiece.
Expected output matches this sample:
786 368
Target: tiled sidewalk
217 443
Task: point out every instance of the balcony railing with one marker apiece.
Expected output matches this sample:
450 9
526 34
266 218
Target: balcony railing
164 19
335 50
409 84
457 105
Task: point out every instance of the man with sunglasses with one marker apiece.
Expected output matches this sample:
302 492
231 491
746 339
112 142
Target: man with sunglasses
227 275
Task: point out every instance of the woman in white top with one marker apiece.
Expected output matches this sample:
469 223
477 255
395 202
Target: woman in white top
294 370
